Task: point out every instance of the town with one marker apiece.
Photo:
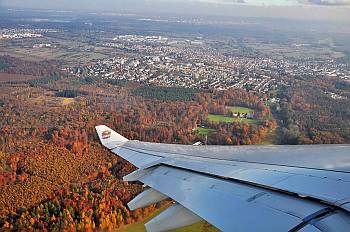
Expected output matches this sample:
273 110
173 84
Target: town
195 64
8 34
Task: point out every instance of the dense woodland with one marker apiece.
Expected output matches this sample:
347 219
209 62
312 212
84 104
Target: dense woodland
14 65
54 174
308 115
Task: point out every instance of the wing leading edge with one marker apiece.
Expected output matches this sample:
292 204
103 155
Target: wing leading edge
246 188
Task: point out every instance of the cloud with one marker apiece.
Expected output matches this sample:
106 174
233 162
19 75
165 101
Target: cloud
98 4
276 2
224 2
233 1
326 2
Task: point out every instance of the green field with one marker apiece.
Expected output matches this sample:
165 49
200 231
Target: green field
235 109
238 109
204 131
198 227
221 118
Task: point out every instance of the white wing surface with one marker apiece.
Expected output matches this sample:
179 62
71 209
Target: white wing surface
240 188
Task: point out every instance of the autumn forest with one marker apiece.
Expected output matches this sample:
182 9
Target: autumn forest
54 174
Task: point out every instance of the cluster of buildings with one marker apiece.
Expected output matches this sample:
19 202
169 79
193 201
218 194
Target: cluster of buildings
335 96
167 71
243 115
141 38
194 64
324 68
8 34
42 46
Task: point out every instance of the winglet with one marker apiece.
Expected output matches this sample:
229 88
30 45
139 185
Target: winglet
109 138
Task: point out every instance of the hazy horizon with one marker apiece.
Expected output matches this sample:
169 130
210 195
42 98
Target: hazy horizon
322 10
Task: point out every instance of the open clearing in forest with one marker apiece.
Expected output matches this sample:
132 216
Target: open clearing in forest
67 101
217 118
221 118
204 131
239 109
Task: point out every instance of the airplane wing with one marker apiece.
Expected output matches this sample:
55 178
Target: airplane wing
240 188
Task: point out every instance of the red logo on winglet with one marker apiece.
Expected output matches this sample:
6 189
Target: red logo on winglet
106 134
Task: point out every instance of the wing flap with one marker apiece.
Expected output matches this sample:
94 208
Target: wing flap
228 205
146 198
174 217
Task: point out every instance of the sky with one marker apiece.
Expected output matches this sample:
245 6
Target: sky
328 10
